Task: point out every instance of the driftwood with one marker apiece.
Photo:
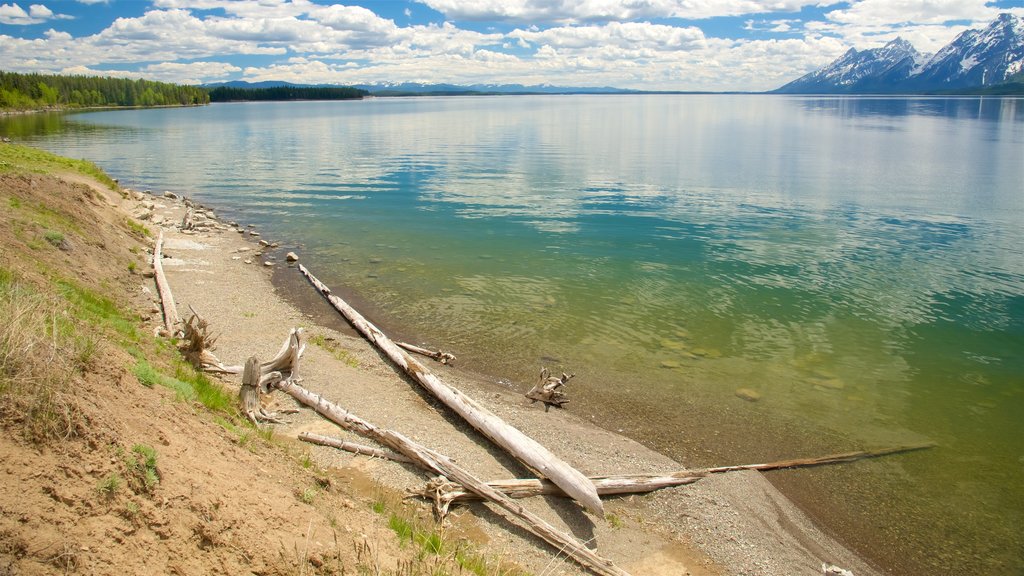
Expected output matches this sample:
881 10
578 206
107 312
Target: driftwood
187 222
550 390
198 344
444 494
443 465
519 445
353 447
439 355
171 318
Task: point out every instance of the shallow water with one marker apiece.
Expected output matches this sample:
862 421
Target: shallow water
858 262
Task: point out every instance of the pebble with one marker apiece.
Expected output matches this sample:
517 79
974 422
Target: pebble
248 261
264 243
292 257
268 263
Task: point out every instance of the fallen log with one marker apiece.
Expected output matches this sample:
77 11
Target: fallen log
519 445
353 447
439 355
443 465
171 318
444 495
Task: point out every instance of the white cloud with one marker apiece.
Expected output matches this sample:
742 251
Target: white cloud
606 10
631 36
15 15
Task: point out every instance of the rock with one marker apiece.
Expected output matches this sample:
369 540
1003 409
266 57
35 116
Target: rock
268 263
247 261
253 233
275 244
236 257
148 274
748 394
671 364
291 257
171 195
240 231
831 384
243 249
264 243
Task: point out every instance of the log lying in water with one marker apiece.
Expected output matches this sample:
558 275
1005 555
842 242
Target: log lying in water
519 445
443 465
445 494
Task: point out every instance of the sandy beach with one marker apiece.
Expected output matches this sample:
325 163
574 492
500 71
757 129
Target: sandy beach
734 523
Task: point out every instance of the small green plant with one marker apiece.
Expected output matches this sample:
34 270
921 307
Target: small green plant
110 485
53 237
306 461
144 475
14 203
131 509
137 229
335 350
308 495
614 521
132 266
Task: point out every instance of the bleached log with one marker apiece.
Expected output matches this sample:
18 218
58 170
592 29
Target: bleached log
171 318
509 438
445 495
439 355
352 447
286 360
443 465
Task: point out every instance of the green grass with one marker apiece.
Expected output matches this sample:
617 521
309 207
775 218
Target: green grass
188 384
110 485
142 469
53 237
335 350
137 229
93 308
18 159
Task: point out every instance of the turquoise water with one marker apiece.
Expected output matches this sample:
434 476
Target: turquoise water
858 262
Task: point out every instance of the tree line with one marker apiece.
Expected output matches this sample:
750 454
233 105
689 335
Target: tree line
41 91
232 94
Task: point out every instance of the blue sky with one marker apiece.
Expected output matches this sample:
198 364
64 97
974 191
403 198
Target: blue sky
642 44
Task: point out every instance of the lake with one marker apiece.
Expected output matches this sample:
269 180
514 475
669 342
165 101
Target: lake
856 263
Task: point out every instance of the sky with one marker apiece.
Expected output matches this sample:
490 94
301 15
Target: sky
712 45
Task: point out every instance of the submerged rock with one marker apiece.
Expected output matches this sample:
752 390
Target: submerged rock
748 394
291 257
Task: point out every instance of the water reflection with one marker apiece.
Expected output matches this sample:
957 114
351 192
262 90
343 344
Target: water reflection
992 109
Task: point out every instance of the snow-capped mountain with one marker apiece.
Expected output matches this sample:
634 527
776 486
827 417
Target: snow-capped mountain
975 58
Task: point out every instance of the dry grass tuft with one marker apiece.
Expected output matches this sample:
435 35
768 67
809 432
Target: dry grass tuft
40 353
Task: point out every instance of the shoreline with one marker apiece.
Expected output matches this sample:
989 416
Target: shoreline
736 523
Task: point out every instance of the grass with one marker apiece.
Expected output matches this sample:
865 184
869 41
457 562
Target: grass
53 237
18 159
335 350
188 384
143 475
41 350
137 229
435 552
110 485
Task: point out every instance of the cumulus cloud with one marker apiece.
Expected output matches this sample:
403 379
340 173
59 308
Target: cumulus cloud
606 10
15 15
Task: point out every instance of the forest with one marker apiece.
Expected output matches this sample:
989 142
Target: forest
47 91
232 94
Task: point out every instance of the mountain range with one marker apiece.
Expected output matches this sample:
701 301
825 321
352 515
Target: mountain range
991 59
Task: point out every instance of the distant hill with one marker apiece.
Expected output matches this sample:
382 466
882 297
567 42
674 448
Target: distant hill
421 89
977 60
